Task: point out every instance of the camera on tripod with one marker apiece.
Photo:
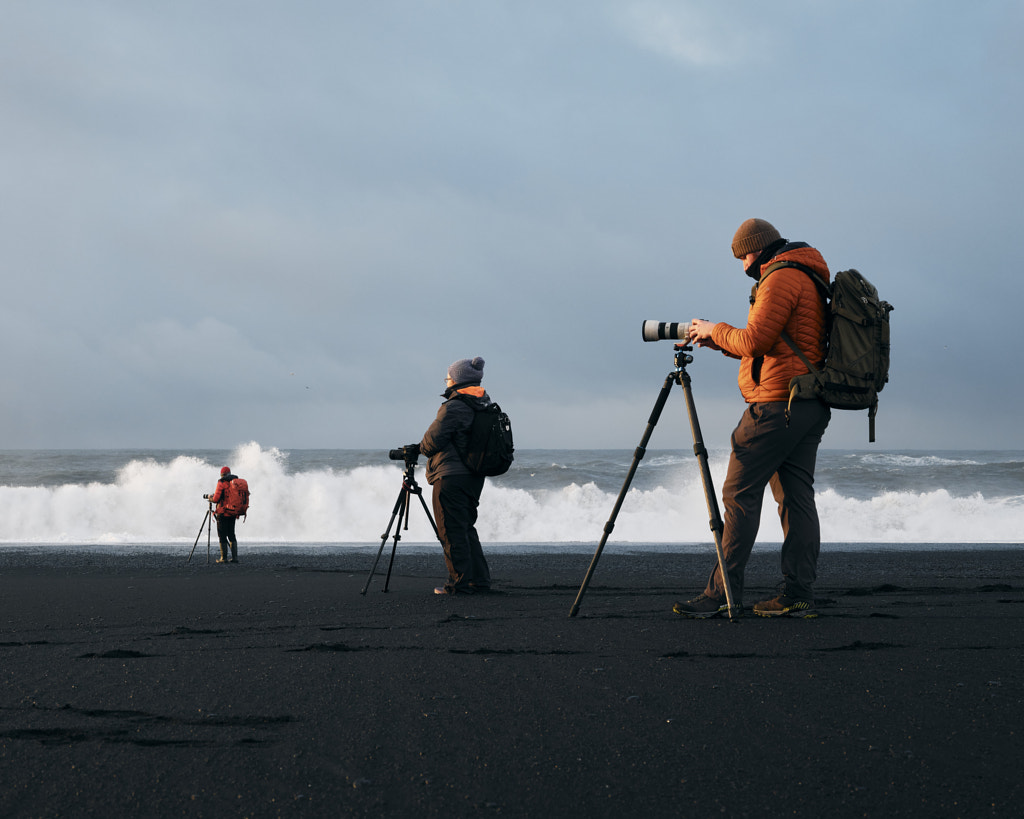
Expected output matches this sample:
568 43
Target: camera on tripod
679 332
408 453
666 331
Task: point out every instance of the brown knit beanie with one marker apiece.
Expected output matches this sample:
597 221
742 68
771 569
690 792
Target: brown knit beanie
753 236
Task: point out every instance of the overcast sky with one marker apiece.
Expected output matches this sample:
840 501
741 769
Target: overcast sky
235 220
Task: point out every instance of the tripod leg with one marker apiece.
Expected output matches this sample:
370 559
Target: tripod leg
403 519
410 489
430 517
400 504
717 527
199 535
638 455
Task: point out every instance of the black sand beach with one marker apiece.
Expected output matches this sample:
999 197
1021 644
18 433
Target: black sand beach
145 686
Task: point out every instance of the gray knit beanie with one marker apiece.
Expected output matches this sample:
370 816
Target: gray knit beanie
467 371
753 236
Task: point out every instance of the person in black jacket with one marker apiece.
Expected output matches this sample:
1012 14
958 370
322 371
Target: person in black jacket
457 489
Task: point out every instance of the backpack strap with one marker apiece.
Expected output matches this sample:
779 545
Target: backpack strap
471 402
822 285
824 289
826 293
817 373
785 337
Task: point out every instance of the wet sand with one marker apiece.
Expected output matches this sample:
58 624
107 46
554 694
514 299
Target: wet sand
145 686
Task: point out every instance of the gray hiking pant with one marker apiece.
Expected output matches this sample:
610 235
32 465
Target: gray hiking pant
766 449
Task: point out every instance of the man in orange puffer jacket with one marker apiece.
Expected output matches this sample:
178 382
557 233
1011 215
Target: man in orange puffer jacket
775 442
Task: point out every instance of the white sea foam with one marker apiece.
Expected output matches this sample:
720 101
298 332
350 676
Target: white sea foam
158 503
898 459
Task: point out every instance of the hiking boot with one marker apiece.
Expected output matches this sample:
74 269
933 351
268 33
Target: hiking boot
785 606
449 589
701 607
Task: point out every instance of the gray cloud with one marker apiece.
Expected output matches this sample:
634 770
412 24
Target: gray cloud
280 222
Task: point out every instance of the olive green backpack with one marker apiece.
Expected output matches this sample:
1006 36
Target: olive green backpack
857 362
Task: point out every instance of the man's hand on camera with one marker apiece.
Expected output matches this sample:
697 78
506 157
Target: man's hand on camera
700 332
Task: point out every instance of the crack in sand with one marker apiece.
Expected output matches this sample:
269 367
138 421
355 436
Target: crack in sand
122 727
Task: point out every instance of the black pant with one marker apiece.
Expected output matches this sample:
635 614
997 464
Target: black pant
226 530
455 501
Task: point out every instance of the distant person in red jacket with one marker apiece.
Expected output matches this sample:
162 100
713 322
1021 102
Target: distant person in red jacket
232 499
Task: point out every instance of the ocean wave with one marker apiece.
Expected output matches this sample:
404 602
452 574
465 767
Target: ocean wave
154 501
903 461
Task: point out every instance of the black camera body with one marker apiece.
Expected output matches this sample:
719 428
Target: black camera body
408 453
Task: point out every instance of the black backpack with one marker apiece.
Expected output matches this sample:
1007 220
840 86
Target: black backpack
489 447
857 363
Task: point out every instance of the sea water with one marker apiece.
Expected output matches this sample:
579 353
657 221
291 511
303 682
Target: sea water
555 500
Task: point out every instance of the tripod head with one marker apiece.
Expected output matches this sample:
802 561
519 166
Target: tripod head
409 476
682 356
409 453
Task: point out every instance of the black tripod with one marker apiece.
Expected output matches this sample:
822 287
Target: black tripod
681 377
401 514
208 523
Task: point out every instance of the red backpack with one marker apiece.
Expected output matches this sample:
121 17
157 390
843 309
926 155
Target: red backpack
236 497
